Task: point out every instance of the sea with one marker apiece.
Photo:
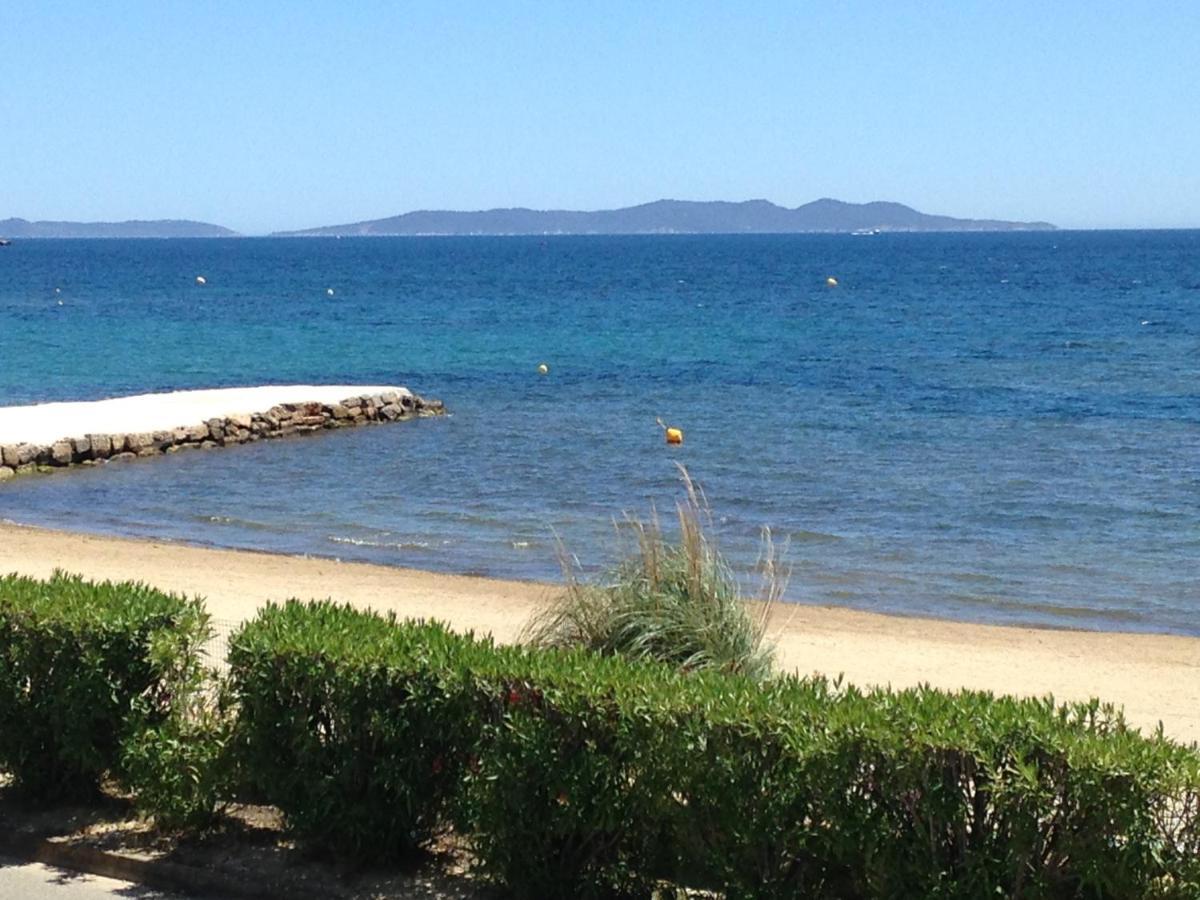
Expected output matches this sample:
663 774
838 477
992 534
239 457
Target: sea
989 427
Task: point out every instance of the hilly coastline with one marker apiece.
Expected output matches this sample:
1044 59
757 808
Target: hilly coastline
659 217
674 217
159 228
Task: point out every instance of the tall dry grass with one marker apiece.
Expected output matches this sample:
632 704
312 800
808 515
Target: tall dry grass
674 601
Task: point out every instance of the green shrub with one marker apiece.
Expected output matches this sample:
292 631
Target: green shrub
353 726
673 602
179 768
82 666
924 793
562 800
574 774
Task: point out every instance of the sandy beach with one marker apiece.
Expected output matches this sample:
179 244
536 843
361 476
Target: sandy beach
1155 677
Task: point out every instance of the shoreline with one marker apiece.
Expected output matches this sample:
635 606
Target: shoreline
1155 677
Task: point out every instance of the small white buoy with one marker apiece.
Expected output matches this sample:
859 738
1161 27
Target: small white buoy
201 280
60 303
543 369
58 290
329 292
831 281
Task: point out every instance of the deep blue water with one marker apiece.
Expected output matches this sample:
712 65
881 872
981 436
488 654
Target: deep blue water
991 427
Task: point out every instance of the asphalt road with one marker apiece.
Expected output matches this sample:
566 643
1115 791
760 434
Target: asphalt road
33 881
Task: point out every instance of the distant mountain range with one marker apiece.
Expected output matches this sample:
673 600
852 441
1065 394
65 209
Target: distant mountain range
659 217
674 217
160 228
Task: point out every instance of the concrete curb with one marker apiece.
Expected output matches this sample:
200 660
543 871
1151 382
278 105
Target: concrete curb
161 874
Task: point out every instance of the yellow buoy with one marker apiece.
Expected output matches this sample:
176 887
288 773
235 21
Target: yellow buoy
200 279
543 369
831 281
674 435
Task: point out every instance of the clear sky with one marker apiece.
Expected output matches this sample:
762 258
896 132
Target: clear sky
271 115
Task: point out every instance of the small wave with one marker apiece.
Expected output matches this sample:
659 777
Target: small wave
380 545
235 522
975 578
1037 610
812 537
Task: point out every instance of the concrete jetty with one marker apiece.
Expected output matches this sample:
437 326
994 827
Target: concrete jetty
48 436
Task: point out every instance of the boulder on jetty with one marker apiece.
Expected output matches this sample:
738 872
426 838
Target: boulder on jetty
280 420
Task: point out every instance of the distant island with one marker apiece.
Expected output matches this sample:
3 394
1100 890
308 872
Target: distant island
160 228
824 216
674 217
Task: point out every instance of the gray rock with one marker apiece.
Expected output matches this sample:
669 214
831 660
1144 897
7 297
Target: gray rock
83 448
198 433
26 454
101 445
61 453
118 443
239 421
10 455
6 473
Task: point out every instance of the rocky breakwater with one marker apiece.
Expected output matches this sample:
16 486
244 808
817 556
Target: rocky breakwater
279 421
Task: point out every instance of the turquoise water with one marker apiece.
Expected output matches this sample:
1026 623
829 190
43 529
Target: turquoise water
1000 428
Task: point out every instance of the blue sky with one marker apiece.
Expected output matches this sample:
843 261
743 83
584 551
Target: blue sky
263 115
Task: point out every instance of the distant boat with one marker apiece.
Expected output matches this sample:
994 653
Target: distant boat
863 231
4 242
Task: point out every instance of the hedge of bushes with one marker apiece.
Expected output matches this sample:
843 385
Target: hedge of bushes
579 775
575 775
86 670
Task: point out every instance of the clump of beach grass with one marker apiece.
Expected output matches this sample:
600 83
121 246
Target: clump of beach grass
677 602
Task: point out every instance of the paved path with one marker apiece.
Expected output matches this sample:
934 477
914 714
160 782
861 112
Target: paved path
33 881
